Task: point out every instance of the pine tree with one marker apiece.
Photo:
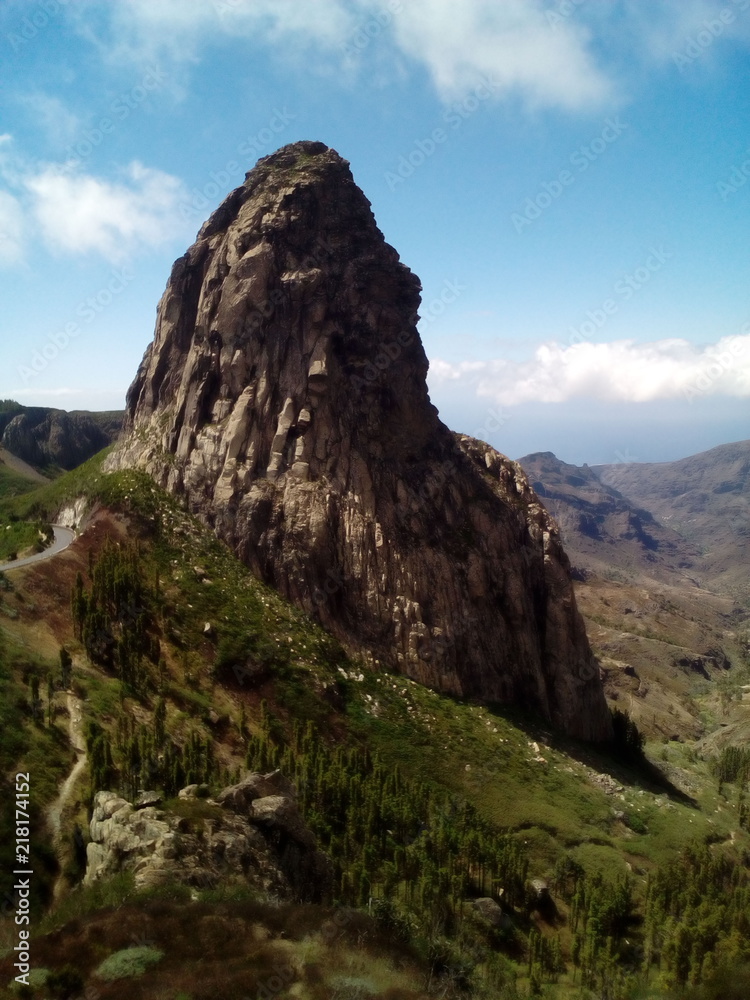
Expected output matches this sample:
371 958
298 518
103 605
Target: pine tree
66 668
50 697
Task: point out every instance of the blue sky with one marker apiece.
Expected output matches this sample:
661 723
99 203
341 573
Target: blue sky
570 180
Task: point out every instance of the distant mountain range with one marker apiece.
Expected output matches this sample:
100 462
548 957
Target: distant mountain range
602 529
660 552
686 520
53 440
705 498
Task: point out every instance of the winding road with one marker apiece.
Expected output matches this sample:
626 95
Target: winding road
63 538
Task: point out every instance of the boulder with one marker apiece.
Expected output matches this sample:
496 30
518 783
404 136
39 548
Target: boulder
491 911
255 786
254 834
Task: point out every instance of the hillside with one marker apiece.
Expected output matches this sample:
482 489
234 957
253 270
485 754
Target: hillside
16 476
660 622
604 531
51 440
313 704
244 672
705 498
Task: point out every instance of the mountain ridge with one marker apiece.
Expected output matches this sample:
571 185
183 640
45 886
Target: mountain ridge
49 439
705 498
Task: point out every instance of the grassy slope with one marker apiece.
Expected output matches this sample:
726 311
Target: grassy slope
17 537
13 484
557 805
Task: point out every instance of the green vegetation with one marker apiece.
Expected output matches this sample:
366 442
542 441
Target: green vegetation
128 963
13 484
9 407
733 764
43 502
30 742
194 670
697 916
112 620
18 538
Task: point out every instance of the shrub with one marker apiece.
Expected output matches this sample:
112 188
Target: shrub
636 823
128 963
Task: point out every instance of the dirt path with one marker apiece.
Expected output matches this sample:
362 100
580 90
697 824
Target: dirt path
55 811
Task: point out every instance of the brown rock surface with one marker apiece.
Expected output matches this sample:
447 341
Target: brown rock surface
284 397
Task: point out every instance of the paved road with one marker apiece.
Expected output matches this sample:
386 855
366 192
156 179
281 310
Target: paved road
63 538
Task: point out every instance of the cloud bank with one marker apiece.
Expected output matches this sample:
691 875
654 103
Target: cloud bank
622 371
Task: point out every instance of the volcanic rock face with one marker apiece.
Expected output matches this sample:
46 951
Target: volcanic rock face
284 396
43 437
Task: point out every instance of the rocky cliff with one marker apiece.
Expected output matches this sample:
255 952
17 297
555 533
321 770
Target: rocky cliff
46 438
284 396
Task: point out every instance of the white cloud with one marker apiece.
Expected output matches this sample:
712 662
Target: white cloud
325 22
79 213
147 31
511 43
11 230
661 31
458 43
622 371
551 53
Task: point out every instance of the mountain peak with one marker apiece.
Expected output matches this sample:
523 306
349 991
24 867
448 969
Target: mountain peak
285 397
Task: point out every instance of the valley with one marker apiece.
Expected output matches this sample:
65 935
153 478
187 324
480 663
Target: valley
557 805
320 699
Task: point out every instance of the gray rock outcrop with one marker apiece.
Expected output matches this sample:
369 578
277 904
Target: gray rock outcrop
46 438
261 841
284 397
